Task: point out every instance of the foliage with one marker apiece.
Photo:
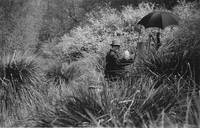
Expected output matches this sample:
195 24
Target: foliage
24 19
169 4
151 97
63 15
100 29
166 65
121 106
63 78
160 90
20 84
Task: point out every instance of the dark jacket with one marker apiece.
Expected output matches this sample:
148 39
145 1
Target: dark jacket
115 67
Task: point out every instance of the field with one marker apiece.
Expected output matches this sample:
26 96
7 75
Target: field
52 61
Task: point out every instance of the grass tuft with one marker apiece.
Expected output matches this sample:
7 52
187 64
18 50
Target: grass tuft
20 82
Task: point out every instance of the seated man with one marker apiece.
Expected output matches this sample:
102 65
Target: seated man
115 67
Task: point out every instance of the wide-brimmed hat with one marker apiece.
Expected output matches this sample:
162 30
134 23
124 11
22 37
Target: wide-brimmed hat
115 43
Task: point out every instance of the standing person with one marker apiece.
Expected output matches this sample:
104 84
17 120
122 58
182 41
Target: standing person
115 65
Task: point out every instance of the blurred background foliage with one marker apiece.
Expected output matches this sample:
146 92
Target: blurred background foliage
47 19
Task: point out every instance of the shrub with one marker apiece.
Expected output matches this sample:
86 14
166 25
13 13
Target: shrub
70 112
63 78
158 64
20 84
100 28
27 21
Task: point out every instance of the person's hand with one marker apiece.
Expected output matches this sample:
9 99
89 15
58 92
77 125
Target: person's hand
126 54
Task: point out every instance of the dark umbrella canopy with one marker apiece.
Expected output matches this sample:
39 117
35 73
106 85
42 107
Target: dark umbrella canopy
159 19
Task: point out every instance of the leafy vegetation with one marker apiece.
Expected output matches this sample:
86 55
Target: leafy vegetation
21 82
53 58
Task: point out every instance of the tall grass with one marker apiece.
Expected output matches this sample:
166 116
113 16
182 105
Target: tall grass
123 105
63 78
160 90
20 85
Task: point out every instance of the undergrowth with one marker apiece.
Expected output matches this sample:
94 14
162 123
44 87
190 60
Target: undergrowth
64 85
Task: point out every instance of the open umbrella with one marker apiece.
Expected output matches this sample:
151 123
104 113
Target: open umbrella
159 19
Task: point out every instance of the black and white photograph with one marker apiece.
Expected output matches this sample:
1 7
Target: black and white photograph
100 63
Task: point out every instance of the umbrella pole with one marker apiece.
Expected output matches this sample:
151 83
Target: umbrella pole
158 40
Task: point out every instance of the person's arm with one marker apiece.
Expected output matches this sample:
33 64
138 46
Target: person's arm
120 62
125 62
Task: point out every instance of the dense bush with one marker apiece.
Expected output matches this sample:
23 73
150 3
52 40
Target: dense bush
20 85
100 29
